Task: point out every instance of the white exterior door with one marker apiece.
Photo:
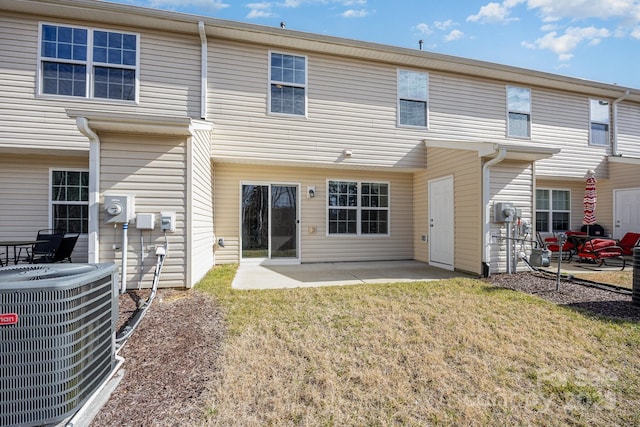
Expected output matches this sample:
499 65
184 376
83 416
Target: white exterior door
626 212
441 222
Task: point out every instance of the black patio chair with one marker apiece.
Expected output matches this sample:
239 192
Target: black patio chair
65 249
45 248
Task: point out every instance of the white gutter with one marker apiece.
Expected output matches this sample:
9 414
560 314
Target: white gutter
94 188
614 145
486 239
203 57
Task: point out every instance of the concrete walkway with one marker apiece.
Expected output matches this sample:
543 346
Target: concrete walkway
253 275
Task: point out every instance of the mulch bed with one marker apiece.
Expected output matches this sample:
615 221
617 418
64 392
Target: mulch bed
169 361
174 353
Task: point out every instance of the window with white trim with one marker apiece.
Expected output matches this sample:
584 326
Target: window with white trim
599 118
88 63
412 98
358 207
553 210
519 111
70 200
288 84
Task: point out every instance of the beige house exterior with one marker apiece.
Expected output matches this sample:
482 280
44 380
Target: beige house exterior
345 176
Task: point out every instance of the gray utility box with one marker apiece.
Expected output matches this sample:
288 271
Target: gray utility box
540 257
57 339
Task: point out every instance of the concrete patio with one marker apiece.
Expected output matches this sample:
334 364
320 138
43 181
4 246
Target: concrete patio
254 275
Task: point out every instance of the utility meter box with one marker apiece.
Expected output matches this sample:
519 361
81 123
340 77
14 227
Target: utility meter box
119 208
503 212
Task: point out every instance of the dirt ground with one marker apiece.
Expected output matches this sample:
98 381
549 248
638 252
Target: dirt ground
175 352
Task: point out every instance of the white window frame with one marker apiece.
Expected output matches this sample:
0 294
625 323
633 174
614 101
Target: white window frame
89 64
304 86
595 121
424 99
526 112
52 202
551 211
359 208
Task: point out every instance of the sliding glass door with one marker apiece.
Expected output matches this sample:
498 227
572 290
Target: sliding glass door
269 217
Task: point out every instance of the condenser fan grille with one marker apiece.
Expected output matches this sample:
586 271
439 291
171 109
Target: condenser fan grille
24 273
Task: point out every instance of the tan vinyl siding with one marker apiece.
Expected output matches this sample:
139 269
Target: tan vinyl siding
464 108
169 85
561 120
629 130
510 181
201 238
24 196
153 168
465 168
621 176
315 246
351 105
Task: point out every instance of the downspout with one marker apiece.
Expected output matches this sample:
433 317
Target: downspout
203 66
486 252
94 188
614 145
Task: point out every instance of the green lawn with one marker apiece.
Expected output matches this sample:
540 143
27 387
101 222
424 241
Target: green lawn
454 352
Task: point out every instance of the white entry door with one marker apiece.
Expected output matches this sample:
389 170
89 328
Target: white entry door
441 222
626 212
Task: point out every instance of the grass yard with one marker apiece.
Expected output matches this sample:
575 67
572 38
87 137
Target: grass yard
455 352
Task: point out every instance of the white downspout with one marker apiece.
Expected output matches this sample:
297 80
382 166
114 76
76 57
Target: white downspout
614 145
203 66
94 188
486 238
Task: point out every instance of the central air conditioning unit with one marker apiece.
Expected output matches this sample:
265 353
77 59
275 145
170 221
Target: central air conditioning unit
57 339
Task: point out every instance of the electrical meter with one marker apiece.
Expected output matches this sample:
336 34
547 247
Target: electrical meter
119 208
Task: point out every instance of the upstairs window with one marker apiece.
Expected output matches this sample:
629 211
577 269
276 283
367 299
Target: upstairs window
599 131
358 207
519 112
412 98
553 210
288 84
88 63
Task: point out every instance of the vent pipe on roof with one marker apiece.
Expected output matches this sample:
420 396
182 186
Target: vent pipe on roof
420 43
283 25
203 71
614 144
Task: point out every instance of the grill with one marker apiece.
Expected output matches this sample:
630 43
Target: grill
57 339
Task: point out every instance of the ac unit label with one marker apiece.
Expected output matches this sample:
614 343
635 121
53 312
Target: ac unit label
8 319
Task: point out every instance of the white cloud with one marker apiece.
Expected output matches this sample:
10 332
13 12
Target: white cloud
260 10
454 35
563 45
494 13
351 13
636 33
208 5
444 25
424 29
553 10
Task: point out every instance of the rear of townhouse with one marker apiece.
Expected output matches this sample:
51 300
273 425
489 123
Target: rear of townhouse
337 175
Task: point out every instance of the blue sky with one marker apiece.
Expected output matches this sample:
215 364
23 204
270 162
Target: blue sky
592 39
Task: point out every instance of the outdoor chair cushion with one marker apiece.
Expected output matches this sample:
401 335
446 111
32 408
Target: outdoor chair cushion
628 242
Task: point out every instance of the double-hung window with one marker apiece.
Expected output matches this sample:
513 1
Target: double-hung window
288 84
88 63
358 207
70 200
519 112
412 98
599 131
553 210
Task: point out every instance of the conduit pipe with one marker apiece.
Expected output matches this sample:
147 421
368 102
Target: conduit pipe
486 238
203 58
614 147
94 188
